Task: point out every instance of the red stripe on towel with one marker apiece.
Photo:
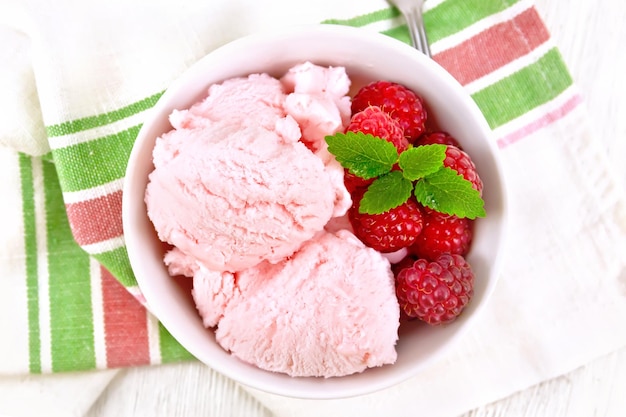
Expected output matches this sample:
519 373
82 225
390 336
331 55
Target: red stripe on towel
125 325
494 47
96 220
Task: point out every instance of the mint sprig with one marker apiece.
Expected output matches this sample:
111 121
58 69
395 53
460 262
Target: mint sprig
390 189
362 154
421 161
448 192
418 170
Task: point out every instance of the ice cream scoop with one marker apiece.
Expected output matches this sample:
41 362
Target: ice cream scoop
233 185
313 314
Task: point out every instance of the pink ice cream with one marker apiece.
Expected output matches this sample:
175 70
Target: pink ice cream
234 186
313 314
319 101
246 191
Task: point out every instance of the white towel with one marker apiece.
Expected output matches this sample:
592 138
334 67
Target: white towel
78 78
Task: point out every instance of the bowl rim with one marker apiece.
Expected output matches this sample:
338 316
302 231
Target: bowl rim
134 244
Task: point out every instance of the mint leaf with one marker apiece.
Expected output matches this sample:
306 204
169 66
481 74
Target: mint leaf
422 173
364 155
420 161
448 192
386 192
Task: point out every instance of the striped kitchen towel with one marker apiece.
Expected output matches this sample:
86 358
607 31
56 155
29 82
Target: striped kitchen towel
501 52
68 298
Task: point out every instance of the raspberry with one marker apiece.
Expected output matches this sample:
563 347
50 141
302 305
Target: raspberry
376 122
401 103
406 262
441 138
435 292
394 229
461 162
442 233
353 182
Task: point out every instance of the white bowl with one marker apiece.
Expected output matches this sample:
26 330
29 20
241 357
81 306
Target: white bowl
367 56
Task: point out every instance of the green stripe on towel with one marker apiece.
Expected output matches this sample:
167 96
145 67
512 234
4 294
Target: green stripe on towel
71 316
524 90
30 249
400 33
79 125
171 350
117 263
80 166
450 17
366 19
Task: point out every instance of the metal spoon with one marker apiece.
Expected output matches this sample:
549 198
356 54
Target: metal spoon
412 11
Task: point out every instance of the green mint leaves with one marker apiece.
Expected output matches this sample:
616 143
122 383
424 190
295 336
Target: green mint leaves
418 170
421 161
448 192
387 191
366 156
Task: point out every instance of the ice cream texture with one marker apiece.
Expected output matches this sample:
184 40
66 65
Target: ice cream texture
233 185
242 189
313 314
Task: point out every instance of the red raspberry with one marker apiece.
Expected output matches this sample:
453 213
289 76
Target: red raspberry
406 262
353 182
376 122
442 233
461 162
435 292
441 138
401 103
394 229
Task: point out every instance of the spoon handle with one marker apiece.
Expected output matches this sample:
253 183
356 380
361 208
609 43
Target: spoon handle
415 24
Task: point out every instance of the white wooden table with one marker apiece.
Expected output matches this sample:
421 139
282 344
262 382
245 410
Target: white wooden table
591 37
